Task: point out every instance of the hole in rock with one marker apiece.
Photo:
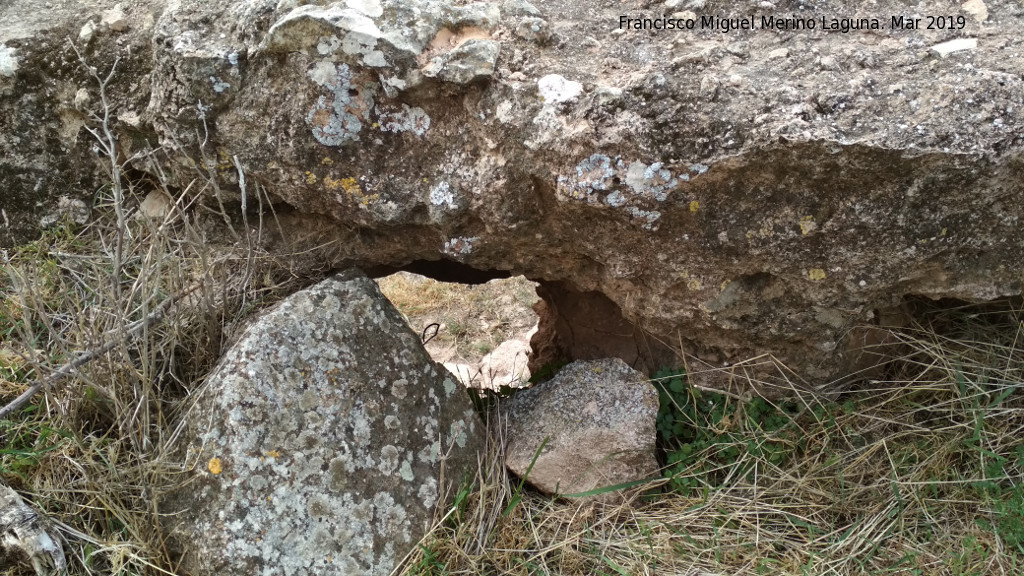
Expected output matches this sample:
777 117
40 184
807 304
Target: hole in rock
484 319
495 330
902 345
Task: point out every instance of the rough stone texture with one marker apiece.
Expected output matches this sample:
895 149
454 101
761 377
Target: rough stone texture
26 536
318 441
743 195
600 417
506 365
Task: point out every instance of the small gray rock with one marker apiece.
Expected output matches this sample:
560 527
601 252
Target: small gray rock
473 60
599 417
533 29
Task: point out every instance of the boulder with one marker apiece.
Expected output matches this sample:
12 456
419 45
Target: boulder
598 418
318 443
748 199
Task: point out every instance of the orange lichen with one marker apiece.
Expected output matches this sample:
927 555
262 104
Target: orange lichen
214 466
351 187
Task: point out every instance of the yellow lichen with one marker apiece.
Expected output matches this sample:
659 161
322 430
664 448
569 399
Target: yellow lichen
943 232
331 183
273 453
327 161
214 466
224 160
694 206
351 186
725 285
808 225
816 274
693 284
310 178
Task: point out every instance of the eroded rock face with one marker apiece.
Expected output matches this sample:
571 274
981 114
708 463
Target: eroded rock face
599 417
750 194
318 441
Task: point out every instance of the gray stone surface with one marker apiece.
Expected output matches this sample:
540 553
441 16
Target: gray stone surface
599 417
756 194
317 443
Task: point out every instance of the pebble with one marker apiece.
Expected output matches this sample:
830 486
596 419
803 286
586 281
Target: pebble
946 48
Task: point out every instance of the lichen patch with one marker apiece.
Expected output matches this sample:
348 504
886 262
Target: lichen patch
337 118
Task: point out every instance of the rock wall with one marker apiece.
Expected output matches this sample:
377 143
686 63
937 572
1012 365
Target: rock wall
743 194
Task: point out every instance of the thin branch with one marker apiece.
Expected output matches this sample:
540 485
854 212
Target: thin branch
109 144
87 356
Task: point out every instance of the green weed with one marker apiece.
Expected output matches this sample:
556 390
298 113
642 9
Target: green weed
708 437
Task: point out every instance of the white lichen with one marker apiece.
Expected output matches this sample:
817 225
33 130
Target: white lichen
337 119
555 89
8 61
635 186
403 119
457 433
219 85
406 471
428 492
646 217
443 195
457 247
400 388
70 209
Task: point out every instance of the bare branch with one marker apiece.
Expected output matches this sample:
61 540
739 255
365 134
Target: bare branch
87 356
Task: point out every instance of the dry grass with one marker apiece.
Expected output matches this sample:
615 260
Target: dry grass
473 319
919 474
95 450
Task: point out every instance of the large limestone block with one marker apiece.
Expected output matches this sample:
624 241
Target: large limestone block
598 418
319 440
749 198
